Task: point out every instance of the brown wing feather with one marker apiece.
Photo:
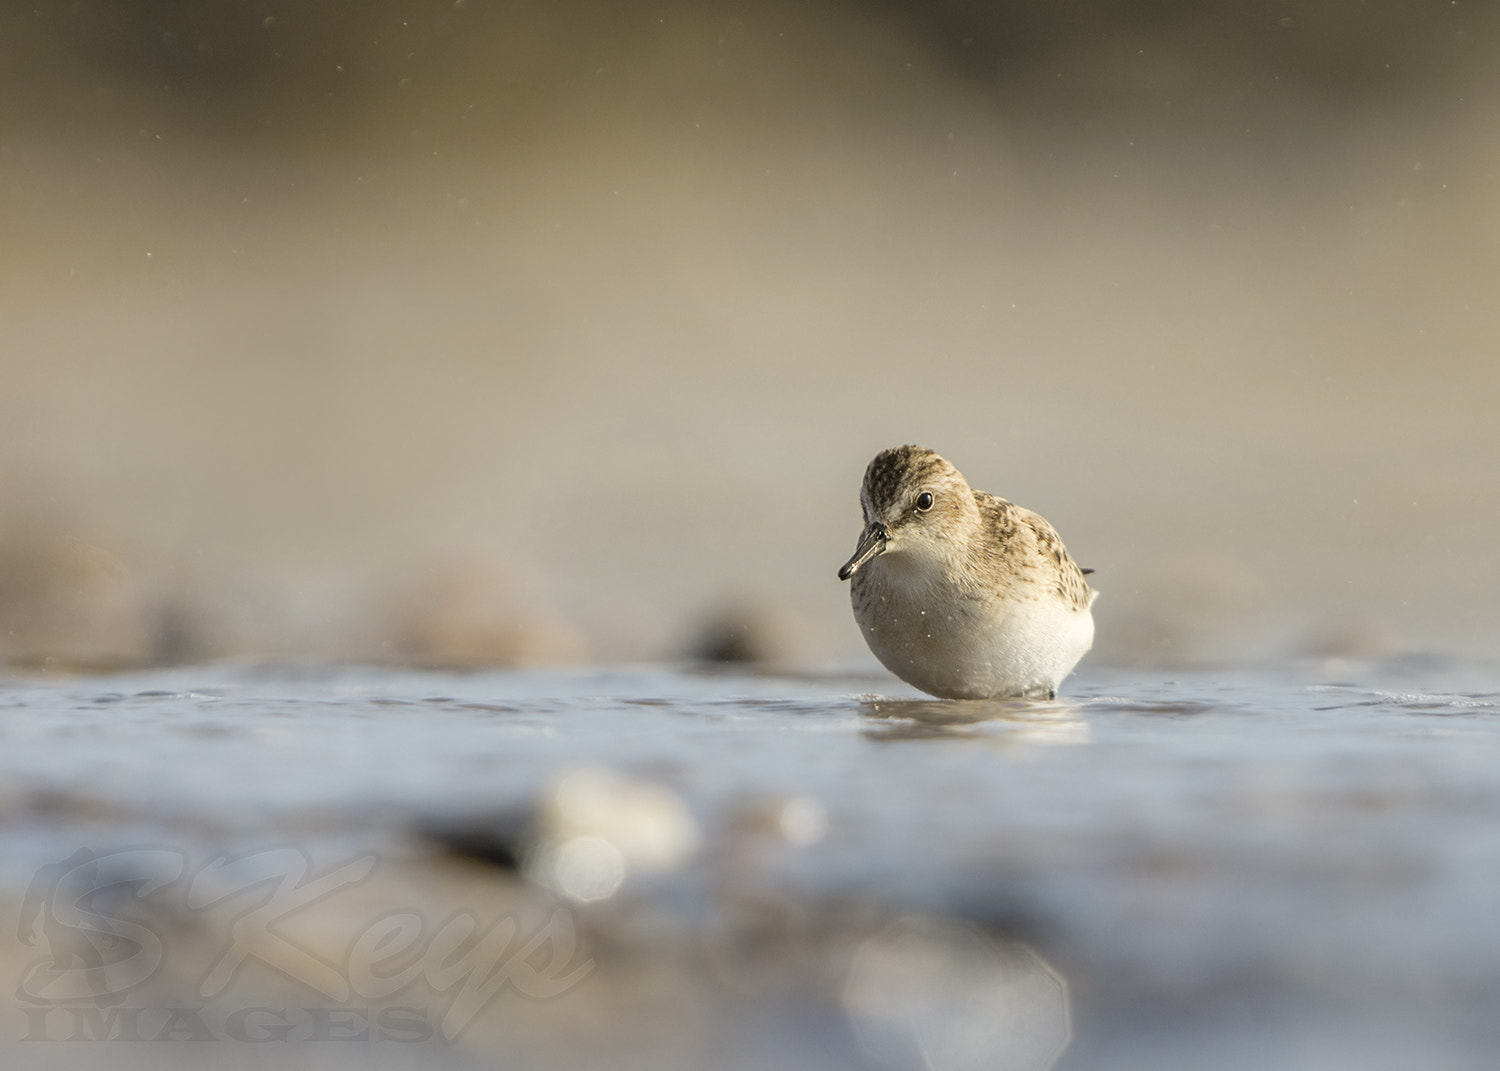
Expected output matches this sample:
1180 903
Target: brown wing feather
1012 523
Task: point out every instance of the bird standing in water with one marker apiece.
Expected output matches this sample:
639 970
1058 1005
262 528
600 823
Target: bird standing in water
960 593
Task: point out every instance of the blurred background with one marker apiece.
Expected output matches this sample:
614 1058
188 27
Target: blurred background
476 332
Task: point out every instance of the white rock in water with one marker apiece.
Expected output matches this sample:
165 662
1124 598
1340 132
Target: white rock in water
597 825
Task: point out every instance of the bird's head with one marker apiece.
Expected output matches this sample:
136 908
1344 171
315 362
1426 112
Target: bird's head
914 502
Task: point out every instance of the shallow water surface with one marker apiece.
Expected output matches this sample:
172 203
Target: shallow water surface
1293 866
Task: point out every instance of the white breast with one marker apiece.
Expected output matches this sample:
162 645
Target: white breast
966 645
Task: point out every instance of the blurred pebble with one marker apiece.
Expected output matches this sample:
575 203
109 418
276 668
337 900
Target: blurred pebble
746 634
800 821
68 604
1358 638
939 995
596 826
803 821
476 612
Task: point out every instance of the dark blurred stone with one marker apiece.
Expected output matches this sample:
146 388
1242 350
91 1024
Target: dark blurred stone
745 635
499 840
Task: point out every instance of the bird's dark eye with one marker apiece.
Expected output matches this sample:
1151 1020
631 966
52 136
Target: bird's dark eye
924 502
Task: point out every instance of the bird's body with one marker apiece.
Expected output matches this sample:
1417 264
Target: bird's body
960 593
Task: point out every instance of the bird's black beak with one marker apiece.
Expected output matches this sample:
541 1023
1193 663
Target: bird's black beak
872 542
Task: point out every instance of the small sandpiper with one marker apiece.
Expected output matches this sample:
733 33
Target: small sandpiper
959 593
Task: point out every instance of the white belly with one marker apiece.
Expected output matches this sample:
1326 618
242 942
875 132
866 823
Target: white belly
972 648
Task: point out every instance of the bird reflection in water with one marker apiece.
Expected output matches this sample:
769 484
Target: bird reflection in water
1008 721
